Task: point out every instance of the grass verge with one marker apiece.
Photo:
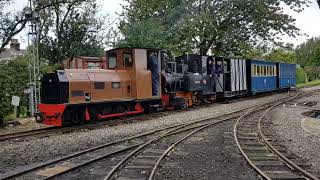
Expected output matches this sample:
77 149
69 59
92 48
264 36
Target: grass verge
310 83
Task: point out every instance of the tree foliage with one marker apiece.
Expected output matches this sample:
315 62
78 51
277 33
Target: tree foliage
308 53
13 83
10 24
225 27
74 27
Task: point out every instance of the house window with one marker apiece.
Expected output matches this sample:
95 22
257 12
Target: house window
112 61
77 93
127 59
115 85
98 85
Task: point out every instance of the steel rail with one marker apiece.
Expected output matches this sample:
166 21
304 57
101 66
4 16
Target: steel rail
155 167
22 172
55 161
202 126
279 154
170 133
52 130
265 176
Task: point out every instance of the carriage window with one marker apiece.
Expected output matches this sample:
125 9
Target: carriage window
112 61
258 70
255 70
77 93
115 85
268 70
98 85
127 59
275 70
265 70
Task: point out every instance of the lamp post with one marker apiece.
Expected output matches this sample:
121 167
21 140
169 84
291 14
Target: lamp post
34 65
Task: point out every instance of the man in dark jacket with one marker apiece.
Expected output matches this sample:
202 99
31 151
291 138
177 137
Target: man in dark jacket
153 66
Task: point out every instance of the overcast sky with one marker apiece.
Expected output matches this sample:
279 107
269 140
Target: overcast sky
308 20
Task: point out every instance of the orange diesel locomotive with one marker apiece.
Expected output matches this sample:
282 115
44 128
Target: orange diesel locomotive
134 81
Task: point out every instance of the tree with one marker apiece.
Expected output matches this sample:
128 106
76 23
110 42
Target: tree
10 24
225 27
77 29
308 53
281 55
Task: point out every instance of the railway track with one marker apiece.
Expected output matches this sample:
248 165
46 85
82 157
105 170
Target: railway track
263 152
143 162
45 132
129 146
50 131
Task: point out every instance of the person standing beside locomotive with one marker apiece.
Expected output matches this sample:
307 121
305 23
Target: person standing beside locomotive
153 66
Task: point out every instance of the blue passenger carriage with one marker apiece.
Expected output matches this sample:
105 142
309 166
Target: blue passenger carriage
262 76
286 75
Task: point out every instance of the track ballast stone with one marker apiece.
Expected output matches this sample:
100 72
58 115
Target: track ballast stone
211 154
36 150
287 126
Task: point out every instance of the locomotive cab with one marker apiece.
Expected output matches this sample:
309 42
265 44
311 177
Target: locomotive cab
130 84
55 88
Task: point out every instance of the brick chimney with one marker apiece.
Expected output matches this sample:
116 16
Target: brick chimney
15 45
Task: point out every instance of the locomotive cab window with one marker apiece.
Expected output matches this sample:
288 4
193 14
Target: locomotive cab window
112 61
127 59
115 85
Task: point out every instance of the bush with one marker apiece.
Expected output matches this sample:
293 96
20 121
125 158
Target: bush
13 80
301 75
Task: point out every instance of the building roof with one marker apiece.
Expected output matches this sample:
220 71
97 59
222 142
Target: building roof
10 54
90 58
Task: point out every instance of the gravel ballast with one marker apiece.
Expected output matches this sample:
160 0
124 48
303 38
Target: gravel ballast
287 122
211 154
14 154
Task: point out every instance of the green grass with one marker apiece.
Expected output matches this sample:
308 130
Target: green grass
9 117
310 83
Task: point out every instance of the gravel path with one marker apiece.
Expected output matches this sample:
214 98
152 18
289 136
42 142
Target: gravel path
287 124
15 154
211 154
